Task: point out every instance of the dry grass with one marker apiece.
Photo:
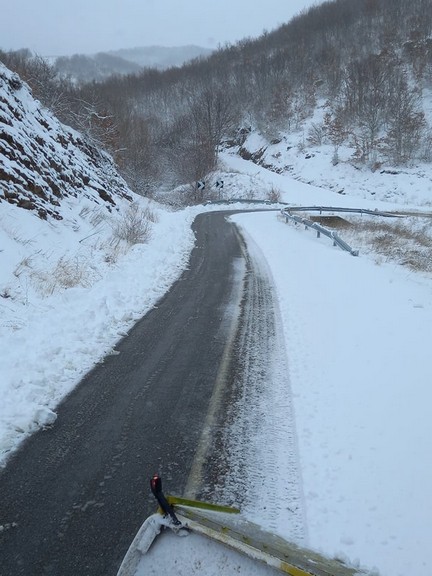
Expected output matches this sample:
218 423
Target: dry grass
407 241
67 273
135 225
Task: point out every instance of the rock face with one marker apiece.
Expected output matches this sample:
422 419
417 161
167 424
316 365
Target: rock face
42 161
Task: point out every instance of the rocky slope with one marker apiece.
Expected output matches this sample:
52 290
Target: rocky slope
42 161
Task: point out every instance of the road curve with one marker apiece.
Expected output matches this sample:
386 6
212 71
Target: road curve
79 491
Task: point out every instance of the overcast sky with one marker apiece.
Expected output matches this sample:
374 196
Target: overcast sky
65 27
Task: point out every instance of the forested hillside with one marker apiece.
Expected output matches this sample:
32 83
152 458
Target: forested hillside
354 73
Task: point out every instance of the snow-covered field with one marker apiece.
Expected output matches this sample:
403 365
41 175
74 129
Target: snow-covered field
357 337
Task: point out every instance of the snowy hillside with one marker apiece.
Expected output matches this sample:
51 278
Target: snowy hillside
296 154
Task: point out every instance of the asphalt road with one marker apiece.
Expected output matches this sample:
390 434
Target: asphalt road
79 491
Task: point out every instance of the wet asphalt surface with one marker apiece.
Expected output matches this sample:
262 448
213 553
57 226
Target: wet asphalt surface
79 491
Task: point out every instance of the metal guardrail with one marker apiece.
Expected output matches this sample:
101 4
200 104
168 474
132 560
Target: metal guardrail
337 240
243 201
322 209
286 212
319 209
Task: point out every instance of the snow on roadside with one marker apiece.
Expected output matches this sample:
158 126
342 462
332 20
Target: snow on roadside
357 338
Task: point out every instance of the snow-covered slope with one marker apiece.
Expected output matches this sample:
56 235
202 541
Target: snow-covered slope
294 155
43 162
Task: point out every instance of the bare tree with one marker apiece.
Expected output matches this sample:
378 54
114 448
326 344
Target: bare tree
212 114
406 122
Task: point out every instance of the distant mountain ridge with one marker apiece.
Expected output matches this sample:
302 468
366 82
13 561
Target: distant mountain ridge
161 57
87 68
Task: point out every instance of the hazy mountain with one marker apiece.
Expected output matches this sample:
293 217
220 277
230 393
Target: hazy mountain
161 57
86 68
83 68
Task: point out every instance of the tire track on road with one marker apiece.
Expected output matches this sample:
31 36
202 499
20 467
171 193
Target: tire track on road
254 461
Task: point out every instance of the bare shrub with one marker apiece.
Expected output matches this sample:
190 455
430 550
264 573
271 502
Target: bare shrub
301 146
274 195
316 135
135 225
23 266
152 216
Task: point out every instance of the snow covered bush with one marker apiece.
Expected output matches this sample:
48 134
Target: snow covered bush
135 225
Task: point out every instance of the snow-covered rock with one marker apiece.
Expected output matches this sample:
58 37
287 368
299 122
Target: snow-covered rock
43 161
